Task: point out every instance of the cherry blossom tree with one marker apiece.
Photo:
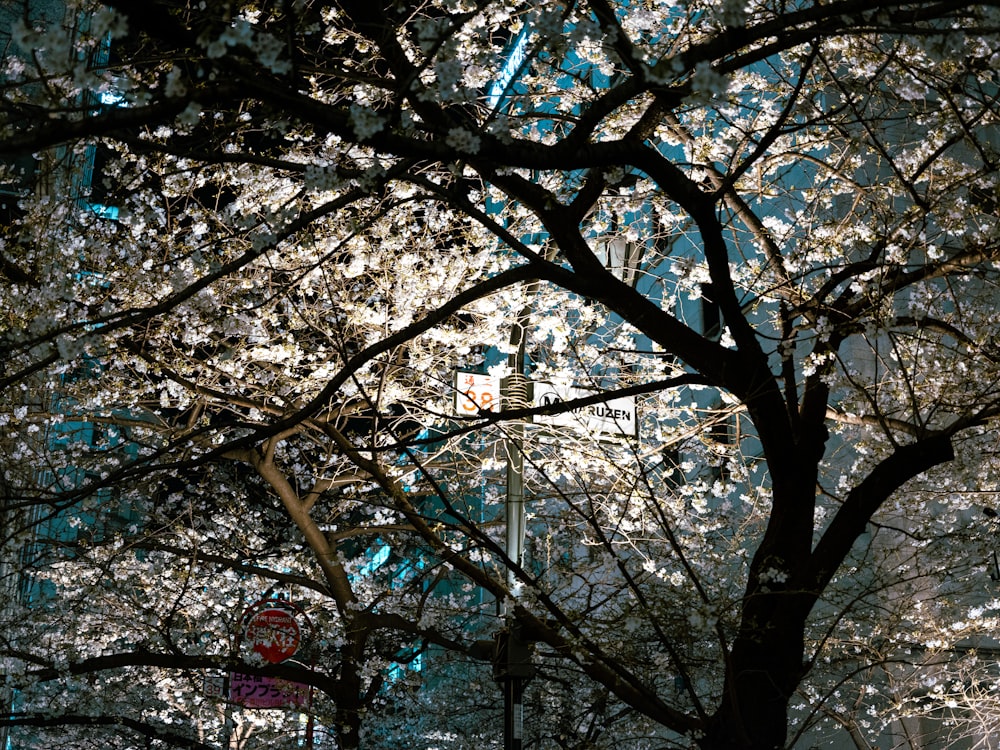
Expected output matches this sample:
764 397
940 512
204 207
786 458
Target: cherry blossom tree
263 237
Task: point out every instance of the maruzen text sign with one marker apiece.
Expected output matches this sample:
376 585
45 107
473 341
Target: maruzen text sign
616 416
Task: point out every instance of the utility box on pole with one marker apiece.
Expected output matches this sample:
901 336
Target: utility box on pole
512 655
512 668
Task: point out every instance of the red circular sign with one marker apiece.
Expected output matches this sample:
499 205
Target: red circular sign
274 634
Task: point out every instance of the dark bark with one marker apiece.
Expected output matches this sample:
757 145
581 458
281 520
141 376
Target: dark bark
767 662
350 708
764 668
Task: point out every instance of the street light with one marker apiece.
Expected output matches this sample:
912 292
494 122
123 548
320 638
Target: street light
512 658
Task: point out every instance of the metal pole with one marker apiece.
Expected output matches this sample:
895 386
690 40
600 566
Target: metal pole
515 499
516 393
513 713
228 723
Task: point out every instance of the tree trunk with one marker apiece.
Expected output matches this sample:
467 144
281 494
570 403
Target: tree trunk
349 711
764 668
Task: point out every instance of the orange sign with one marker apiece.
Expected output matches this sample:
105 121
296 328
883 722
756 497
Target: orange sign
476 392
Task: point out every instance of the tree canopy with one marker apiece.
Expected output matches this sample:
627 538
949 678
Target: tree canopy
248 246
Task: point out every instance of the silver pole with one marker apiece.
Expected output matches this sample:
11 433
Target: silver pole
511 651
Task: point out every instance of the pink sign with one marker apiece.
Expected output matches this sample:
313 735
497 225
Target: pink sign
254 691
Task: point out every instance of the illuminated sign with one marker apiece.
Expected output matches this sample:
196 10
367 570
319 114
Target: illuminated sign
515 58
613 416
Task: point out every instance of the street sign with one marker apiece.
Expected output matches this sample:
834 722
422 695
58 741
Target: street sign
255 691
476 392
274 629
214 685
273 633
614 416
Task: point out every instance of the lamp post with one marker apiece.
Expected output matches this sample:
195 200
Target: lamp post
512 660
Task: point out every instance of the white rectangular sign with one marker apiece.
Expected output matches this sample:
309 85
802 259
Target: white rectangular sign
615 416
476 392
